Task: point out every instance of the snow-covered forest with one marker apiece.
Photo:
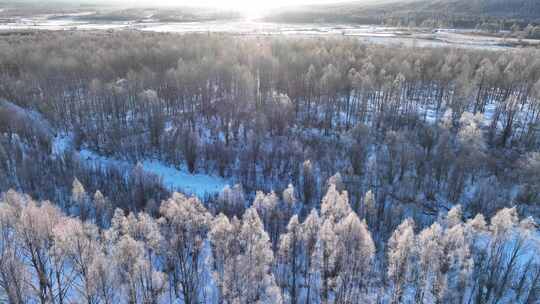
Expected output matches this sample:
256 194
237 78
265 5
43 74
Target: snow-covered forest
212 168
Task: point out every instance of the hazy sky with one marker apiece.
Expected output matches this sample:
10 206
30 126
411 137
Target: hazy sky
251 8
211 3
232 3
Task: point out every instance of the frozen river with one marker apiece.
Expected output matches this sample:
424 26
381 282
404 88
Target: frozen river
175 179
366 33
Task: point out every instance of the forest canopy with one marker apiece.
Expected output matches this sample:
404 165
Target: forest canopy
355 171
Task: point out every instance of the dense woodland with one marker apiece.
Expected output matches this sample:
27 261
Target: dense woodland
493 15
358 172
190 255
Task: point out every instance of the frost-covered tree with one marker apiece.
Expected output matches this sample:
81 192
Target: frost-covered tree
355 251
335 204
267 206
184 226
456 266
327 259
47 257
500 256
289 201
134 242
401 251
530 164
430 253
308 182
36 240
231 201
13 271
370 208
140 281
471 142
80 200
104 279
79 243
257 283
281 113
242 260
225 243
310 241
444 261
337 181
289 267
102 209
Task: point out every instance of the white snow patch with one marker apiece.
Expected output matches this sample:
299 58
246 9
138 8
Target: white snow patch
195 184
174 179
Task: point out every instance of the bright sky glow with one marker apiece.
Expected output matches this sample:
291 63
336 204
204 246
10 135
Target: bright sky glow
250 8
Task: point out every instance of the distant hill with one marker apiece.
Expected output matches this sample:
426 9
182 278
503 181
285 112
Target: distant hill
456 13
112 11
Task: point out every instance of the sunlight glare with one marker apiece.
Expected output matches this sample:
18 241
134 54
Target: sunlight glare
249 9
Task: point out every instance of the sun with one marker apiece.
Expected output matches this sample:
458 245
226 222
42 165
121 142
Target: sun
252 13
250 10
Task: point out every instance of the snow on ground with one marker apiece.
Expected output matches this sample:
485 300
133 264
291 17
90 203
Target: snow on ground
195 184
489 113
429 113
175 179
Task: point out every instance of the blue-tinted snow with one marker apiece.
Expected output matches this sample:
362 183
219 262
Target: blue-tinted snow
173 178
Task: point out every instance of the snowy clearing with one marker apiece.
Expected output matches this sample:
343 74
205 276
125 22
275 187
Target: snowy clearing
174 179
